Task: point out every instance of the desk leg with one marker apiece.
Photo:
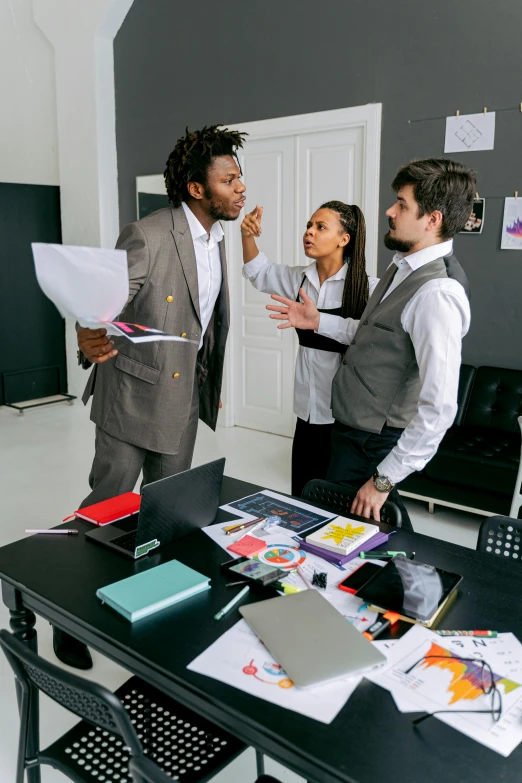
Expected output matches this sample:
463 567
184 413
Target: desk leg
22 622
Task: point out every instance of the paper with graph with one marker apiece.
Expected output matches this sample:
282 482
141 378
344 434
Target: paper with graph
512 225
439 682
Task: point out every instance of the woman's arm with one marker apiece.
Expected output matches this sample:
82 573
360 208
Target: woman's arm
267 278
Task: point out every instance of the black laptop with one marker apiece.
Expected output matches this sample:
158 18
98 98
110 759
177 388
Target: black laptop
170 509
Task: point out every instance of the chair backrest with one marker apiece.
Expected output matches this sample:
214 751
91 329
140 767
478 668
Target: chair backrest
338 498
495 400
466 378
502 537
88 700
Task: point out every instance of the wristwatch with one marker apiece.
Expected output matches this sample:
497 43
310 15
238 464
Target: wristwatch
382 483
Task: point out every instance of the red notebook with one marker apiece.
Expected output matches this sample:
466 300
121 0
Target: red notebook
110 510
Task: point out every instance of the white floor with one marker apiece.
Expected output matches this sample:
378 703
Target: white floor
45 458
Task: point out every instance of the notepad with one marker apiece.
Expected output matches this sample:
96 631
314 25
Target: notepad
150 591
247 546
110 510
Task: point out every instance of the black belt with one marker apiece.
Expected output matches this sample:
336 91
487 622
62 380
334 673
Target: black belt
310 339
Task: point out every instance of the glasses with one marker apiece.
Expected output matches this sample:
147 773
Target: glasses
487 683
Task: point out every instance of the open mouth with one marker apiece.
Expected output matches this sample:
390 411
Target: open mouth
241 203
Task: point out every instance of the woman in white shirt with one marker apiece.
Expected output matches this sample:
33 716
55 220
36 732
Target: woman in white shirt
337 283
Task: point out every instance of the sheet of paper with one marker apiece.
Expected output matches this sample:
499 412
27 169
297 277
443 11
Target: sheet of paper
240 659
440 683
512 225
470 132
355 610
88 284
295 514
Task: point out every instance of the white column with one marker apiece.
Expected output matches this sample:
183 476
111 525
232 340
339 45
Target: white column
82 34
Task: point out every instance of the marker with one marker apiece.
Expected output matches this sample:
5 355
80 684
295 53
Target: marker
287 588
379 626
53 532
383 555
489 634
237 598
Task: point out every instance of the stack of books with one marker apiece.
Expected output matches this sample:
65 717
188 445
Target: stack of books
343 539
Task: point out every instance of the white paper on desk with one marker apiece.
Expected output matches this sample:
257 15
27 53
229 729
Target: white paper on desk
240 659
88 284
445 684
354 609
469 132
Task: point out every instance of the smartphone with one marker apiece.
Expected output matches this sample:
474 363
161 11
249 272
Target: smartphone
252 569
359 577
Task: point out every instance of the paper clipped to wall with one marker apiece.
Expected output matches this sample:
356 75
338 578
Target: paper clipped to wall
468 132
512 225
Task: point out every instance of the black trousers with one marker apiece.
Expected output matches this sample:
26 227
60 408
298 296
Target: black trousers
355 455
310 453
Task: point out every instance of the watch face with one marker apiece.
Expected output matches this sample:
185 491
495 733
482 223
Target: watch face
383 483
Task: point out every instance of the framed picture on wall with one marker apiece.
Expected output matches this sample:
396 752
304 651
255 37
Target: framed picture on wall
475 222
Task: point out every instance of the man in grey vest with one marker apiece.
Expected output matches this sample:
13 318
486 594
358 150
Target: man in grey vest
147 398
395 393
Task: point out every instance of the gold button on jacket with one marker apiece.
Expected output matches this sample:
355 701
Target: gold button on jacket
170 298
176 375
183 334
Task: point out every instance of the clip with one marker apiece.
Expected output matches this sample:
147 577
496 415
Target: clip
477 197
457 113
485 110
516 193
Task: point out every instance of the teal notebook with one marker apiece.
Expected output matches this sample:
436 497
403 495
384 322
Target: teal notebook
145 593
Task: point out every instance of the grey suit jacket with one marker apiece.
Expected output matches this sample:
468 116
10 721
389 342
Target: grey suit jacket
143 396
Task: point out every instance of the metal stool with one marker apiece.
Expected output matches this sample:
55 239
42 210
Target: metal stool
136 723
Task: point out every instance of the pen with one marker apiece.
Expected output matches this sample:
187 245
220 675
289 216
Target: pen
490 634
303 577
248 531
54 532
231 584
231 529
237 598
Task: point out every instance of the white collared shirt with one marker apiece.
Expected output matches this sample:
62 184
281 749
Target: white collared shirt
437 317
208 261
314 369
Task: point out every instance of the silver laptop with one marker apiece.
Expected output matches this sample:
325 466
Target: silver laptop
311 640
170 509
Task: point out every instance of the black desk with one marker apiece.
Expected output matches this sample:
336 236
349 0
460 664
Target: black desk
369 741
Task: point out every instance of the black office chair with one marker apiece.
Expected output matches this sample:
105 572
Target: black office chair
338 498
143 769
135 722
502 537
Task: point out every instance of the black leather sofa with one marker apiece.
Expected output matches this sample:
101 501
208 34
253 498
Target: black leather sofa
477 463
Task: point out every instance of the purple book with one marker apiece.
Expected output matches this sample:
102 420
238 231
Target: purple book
331 557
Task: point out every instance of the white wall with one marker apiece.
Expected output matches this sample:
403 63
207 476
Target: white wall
28 128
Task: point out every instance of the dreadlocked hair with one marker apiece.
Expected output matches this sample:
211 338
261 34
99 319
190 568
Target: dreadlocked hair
356 289
192 156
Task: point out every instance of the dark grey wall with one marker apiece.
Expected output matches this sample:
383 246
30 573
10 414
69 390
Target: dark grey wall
179 64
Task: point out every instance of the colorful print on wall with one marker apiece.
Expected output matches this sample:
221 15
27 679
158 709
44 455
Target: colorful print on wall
475 222
512 225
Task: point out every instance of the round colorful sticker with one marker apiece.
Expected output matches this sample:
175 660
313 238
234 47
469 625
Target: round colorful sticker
282 556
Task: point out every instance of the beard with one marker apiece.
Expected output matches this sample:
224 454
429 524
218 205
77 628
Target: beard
394 243
218 208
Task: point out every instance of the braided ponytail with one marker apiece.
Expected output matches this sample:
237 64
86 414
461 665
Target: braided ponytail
356 289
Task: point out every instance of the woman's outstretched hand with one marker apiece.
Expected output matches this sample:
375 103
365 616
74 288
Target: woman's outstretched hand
300 315
251 225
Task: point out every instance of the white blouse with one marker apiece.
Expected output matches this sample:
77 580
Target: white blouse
314 369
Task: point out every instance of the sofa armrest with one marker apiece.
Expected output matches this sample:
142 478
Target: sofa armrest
516 503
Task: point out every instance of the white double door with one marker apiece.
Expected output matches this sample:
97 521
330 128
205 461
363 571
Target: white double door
290 167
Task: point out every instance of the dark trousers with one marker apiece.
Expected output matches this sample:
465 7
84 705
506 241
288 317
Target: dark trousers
310 453
355 455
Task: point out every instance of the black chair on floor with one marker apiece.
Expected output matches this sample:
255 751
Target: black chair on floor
338 498
502 537
163 739
143 769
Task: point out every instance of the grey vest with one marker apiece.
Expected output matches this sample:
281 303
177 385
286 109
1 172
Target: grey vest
378 381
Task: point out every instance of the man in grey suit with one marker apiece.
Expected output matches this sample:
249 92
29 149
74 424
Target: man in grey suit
147 398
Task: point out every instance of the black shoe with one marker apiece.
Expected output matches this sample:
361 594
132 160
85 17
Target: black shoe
71 651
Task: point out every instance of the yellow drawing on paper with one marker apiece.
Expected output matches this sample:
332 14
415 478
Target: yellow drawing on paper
338 533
